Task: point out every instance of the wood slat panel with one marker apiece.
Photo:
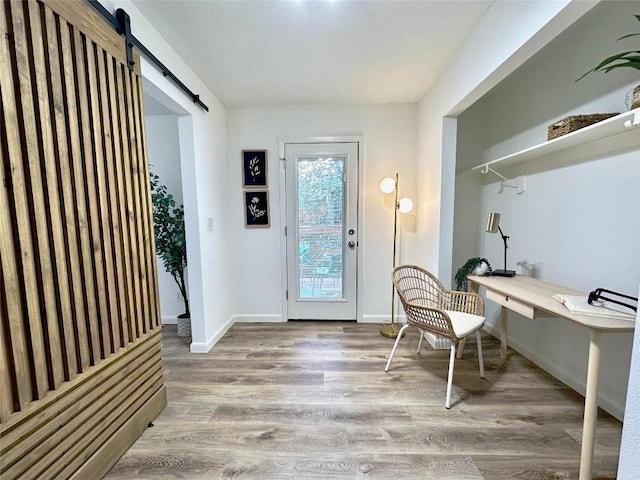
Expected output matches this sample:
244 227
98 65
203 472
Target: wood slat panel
127 197
127 404
68 435
56 289
123 248
73 314
75 199
16 356
37 134
108 199
140 183
113 202
9 287
114 447
134 201
103 258
80 412
35 416
85 195
156 391
154 298
80 351
8 386
29 338
9 284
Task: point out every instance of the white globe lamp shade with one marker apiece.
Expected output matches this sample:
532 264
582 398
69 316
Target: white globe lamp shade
387 185
405 205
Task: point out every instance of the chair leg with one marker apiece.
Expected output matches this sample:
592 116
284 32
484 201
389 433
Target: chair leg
395 345
420 341
452 359
480 358
461 347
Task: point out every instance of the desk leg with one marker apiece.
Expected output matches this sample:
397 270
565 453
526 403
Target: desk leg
503 332
590 408
474 288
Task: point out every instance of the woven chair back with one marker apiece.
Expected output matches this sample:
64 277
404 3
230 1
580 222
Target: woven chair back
424 300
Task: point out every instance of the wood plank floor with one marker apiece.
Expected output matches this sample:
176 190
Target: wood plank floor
312 400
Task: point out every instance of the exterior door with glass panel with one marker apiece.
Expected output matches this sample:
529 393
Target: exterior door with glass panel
322 230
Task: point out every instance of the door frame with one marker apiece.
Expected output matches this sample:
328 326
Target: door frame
283 213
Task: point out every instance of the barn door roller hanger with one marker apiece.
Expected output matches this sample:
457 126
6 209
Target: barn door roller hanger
122 24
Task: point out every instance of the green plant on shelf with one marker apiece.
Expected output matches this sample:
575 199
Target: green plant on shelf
627 59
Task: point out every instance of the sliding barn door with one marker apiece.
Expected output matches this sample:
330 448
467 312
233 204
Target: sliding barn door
80 353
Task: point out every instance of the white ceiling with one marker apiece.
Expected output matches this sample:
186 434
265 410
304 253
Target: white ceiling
301 52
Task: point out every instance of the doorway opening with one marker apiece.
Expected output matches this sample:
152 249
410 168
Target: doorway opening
163 140
321 211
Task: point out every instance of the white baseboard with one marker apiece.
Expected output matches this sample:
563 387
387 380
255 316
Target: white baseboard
169 320
604 402
257 318
197 347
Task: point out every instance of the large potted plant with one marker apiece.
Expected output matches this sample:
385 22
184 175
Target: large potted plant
627 59
171 245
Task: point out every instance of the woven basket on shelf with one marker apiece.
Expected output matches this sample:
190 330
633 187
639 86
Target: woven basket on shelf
575 122
635 98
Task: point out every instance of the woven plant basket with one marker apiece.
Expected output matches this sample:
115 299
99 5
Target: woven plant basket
575 122
636 98
184 327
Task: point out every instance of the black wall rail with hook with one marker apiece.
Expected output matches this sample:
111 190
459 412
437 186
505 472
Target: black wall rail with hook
121 23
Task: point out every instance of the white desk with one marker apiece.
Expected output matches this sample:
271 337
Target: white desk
531 297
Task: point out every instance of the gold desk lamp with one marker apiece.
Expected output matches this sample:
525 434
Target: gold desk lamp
493 226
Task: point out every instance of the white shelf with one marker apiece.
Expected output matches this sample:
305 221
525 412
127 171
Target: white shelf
615 134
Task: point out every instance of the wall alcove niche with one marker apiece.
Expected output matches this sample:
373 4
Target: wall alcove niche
551 224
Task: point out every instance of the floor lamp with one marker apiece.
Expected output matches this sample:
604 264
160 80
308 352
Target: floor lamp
404 205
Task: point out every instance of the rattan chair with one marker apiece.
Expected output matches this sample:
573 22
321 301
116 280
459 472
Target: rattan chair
432 308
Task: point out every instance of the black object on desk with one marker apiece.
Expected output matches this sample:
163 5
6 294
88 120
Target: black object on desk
503 273
596 295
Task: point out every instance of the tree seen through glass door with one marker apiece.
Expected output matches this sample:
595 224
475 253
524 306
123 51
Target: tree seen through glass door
320 227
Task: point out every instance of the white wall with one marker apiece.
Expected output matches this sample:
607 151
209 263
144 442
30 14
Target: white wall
163 150
508 35
389 133
204 178
576 225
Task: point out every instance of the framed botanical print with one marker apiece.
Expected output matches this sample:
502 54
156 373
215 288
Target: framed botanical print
256 208
254 168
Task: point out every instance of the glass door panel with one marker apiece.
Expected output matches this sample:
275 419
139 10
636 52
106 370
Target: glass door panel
320 227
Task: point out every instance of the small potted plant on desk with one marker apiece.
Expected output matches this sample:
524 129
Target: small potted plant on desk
171 245
473 266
